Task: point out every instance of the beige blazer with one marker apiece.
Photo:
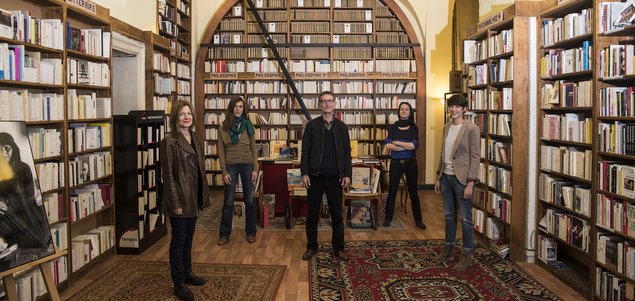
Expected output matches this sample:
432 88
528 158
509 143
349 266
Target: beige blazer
466 152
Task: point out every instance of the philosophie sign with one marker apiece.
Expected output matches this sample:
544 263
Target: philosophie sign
498 17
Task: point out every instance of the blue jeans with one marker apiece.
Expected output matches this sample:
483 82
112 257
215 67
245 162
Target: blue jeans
452 193
234 170
181 247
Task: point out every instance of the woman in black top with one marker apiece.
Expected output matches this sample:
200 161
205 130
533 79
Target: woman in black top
402 141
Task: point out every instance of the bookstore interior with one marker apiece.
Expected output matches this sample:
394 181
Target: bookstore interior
87 87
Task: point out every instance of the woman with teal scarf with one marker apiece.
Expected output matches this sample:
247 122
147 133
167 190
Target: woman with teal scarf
238 157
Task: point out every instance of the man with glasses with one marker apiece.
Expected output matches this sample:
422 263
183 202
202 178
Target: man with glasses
326 168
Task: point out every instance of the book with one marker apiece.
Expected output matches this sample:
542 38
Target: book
239 215
360 215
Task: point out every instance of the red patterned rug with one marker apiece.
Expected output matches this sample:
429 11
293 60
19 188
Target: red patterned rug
404 270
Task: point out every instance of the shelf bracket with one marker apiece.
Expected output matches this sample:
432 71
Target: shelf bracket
276 54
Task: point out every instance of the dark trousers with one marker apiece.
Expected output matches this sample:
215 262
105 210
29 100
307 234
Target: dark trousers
397 169
181 247
333 188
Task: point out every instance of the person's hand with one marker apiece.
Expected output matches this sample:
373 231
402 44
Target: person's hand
306 181
254 177
346 181
469 189
227 179
177 211
437 186
3 207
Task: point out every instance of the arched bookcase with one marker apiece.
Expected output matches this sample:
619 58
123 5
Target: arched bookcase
365 51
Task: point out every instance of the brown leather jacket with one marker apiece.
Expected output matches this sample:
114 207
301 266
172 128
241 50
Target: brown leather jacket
180 171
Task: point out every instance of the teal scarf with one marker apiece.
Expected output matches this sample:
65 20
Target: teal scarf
239 126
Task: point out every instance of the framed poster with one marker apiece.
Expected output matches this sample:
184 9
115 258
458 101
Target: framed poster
24 229
361 216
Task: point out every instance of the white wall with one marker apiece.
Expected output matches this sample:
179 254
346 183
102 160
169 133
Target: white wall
141 14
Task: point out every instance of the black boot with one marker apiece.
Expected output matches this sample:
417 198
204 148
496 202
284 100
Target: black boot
183 292
192 279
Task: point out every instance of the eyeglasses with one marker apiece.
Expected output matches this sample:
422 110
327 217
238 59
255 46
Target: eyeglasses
327 100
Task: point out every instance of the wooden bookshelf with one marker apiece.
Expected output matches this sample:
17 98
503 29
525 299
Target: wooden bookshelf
79 74
341 49
498 90
174 82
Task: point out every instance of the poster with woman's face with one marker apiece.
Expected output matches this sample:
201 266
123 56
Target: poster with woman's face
24 230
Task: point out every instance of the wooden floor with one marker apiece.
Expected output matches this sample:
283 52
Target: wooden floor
285 247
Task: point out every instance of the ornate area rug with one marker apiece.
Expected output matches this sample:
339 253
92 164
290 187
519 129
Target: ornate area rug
404 270
210 219
143 280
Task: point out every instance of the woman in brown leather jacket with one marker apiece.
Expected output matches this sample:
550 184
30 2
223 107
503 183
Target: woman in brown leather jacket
185 192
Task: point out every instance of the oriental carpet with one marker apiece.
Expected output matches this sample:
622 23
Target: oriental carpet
147 280
404 270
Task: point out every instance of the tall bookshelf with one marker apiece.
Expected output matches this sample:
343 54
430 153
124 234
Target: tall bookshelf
587 121
497 62
68 72
364 51
174 24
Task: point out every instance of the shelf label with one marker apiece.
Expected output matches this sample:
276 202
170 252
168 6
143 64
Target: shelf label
216 39
307 39
311 75
327 3
369 15
338 3
85 5
236 39
336 39
301 3
369 27
264 52
266 74
259 3
238 10
394 74
347 27
272 27
353 74
360 3
489 21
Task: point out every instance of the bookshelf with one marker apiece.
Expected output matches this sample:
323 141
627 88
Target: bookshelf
171 75
587 121
67 49
497 62
565 143
364 51
140 222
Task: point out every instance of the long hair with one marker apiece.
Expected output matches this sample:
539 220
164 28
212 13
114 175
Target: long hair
7 139
174 115
411 118
229 113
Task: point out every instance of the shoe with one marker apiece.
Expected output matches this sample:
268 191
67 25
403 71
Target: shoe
421 225
192 279
340 255
223 240
308 254
251 239
387 223
183 292
446 254
465 262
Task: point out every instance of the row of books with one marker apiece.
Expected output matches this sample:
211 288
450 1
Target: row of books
617 138
477 75
617 178
183 87
88 200
21 26
566 160
59 235
149 134
564 61
500 43
19 64
566 94
566 227
147 201
88 136
31 106
54 205
498 151
146 179
45 142
499 124
502 70
499 178
617 102
162 63
616 61
147 158
568 127
616 15
90 167
85 72
570 26
610 286
50 175
93 41
87 247
561 192
88 105
616 253
615 214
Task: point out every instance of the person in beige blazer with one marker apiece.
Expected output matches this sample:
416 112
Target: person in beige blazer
456 175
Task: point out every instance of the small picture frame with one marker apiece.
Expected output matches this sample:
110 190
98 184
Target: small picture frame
361 216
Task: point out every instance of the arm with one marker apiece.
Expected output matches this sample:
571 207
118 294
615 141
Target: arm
221 151
348 165
307 138
254 156
171 196
440 165
390 142
475 154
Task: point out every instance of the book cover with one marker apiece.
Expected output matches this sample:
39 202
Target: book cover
239 217
360 217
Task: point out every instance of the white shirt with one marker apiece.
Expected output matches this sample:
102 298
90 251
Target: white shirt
449 144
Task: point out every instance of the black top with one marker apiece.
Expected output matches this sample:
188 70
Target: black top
328 167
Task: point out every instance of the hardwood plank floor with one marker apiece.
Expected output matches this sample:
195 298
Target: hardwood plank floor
285 247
